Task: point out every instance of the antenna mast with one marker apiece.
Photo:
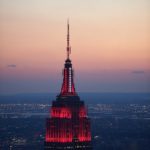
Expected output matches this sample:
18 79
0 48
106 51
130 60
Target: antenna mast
68 40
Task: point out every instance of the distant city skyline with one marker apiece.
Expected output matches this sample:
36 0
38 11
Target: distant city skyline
109 42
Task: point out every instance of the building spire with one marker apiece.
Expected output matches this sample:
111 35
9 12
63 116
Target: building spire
68 87
68 40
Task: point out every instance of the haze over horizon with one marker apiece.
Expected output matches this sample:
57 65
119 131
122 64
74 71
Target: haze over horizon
109 41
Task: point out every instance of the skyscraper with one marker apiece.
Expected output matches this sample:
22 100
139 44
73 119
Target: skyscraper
68 128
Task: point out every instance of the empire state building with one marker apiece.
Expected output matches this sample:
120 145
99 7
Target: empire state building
68 127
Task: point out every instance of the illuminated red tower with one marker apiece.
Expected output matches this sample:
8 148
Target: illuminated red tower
68 128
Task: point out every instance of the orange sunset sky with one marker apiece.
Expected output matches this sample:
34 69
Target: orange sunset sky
110 41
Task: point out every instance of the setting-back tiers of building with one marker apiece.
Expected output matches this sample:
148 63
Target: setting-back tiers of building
68 128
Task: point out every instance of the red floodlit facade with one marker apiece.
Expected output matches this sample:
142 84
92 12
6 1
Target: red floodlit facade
68 126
